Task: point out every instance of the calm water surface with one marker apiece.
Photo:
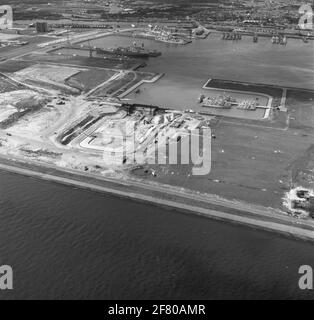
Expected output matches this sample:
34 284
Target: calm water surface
67 243
187 68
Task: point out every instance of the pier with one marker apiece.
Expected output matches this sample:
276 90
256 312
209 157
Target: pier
79 47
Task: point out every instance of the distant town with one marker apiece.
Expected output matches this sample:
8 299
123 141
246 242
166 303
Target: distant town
279 14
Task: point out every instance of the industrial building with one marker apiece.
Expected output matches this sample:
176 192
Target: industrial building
41 27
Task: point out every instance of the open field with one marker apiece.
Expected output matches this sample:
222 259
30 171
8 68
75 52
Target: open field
120 82
88 80
248 163
6 85
254 161
76 60
71 79
49 77
47 73
7 36
301 108
16 104
302 170
14 65
10 52
123 82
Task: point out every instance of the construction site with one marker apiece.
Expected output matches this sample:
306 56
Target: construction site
73 117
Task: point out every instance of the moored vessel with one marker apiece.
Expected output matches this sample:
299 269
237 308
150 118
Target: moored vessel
221 102
131 51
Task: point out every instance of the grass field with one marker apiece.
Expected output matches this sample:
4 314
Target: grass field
88 80
248 163
6 85
114 86
256 161
14 66
82 61
301 108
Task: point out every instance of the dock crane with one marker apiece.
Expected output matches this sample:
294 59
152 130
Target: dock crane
90 49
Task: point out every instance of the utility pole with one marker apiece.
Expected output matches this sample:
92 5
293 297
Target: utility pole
90 50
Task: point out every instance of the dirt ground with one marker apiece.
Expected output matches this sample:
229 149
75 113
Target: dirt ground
301 108
88 80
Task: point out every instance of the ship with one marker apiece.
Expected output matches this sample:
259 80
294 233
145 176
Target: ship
172 39
131 51
248 105
221 102
164 34
225 101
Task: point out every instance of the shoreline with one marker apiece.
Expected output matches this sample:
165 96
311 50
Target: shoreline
279 224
